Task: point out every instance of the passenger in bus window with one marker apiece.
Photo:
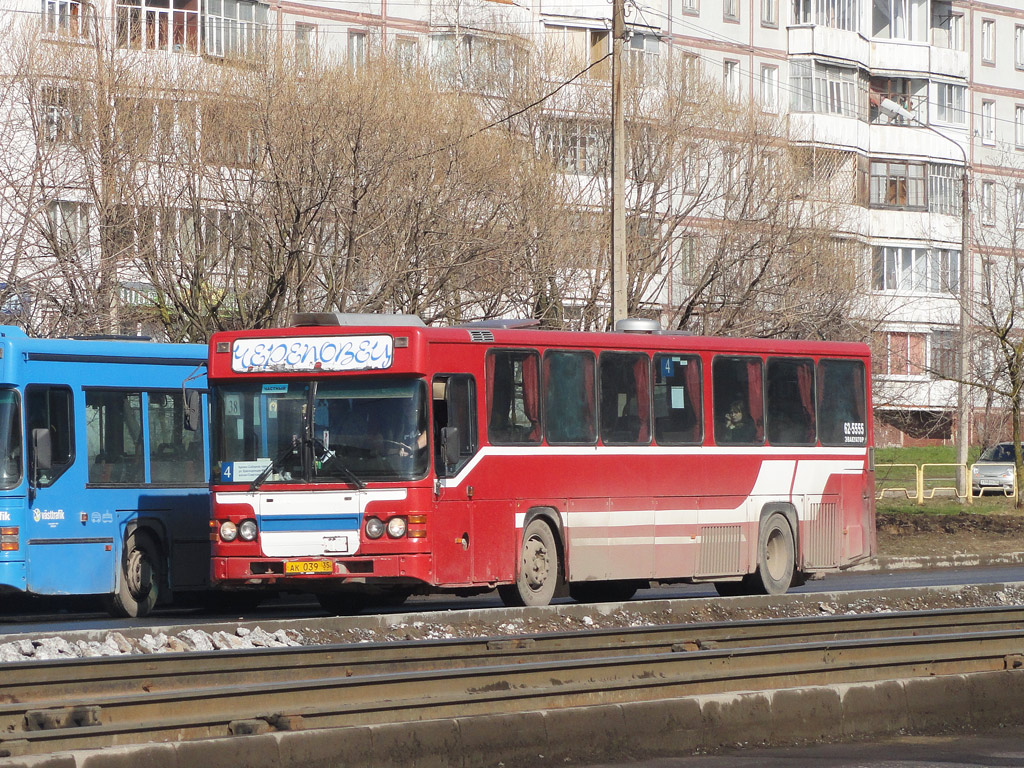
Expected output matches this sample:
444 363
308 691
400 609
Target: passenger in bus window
736 426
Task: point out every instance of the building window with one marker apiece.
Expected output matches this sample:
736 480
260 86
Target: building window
731 78
690 75
947 27
944 189
304 36
916 270
988 122
406 52
900 354
897 185
838 14
64 17
988 41
61 116
1018 205
68 227
802 12
153 26
1018 47
577 147
770 13
1018 126
945 357
823 88
949 103
731 10
988 202
234 27
357 49
642 51
770 88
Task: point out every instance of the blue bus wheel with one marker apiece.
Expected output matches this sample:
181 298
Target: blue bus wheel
140 579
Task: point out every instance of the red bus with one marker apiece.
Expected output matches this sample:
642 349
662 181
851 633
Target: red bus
368 457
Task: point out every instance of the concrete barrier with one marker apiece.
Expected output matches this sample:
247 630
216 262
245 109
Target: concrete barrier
927 705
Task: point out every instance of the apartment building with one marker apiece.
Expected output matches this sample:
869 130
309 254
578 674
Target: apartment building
954 69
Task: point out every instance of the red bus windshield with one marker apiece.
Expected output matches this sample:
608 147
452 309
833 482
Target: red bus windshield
333 431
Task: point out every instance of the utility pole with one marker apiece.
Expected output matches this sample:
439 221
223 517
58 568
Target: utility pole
619 309
963 417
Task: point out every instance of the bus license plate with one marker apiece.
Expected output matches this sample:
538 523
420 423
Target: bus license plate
309 566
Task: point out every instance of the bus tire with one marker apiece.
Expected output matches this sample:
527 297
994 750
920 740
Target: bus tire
140 580
776 557
539 568
603 591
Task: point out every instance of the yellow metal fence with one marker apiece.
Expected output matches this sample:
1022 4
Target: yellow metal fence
924 482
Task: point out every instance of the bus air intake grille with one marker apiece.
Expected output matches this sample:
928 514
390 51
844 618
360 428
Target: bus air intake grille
478 335
719 550
823 536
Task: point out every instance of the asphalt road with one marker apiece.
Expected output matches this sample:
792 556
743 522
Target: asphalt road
52 615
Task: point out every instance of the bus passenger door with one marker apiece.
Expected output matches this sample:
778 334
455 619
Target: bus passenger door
70 526
455 443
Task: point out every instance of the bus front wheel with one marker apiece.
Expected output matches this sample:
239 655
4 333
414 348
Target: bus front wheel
776 557
141 577
539 568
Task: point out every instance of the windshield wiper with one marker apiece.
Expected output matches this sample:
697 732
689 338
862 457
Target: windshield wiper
262 476
345 472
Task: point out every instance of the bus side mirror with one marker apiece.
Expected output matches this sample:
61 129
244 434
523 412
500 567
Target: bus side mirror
42 452
450 452
193 409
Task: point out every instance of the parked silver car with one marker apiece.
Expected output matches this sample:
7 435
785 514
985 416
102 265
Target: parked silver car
994 470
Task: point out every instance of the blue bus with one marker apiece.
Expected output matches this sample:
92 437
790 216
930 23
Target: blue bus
103 469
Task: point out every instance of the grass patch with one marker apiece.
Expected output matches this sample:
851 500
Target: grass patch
985 505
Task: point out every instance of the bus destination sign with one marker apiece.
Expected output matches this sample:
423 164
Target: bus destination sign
312 353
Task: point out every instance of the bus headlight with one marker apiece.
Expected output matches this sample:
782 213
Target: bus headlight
247 530
374 528
396 527
228 531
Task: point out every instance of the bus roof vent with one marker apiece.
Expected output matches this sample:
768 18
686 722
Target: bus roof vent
481 335
637 325
503 323
302 319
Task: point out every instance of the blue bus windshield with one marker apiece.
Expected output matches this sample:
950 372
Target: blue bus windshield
10 440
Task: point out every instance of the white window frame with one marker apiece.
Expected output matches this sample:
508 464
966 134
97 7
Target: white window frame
950 103
731 78
234 26
691 6
802 12
988 41
65 17
355 50
1018 126
988 203
1018 46
769 87
988 122
731 10
769 13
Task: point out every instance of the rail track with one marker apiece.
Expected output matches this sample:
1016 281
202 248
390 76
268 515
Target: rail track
58 705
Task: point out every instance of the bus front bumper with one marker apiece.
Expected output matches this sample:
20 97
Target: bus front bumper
253 571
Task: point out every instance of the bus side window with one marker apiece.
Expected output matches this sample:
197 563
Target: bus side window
52 409
790 399
738 400
113 424
678 405
569 397
842 403
454 419
513 396
175 452
625 397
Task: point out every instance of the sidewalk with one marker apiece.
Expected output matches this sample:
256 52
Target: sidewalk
959 560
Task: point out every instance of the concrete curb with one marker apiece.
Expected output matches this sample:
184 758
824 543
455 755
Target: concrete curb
891 563
681 726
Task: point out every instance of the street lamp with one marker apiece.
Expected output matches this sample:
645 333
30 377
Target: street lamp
892 109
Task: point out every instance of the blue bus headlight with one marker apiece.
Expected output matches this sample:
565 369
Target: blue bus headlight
396 527
228 531
374 528
247 530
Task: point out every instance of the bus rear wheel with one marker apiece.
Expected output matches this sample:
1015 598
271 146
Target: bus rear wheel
776 557
539 569
141 578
